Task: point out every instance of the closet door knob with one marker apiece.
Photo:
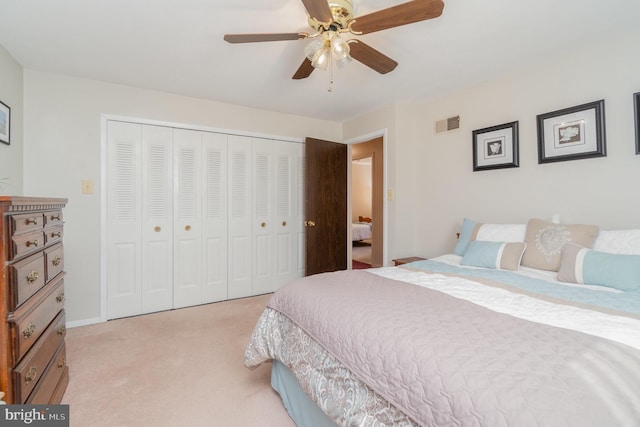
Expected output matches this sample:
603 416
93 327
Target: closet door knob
157 229
284 223
188 228
263 225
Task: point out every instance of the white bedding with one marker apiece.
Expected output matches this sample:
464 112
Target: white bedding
360 231
621 329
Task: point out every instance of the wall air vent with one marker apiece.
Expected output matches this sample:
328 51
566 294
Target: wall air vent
448 124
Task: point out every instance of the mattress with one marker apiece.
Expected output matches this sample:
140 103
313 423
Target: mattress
433 343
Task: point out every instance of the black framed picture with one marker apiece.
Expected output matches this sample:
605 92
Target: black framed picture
636 115
5 123
496 147
572 133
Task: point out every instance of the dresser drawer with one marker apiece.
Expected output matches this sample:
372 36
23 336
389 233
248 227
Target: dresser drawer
52 218
23 244
54 261
27 374
24 223
26 277
44 393
52 235
61 387
32 318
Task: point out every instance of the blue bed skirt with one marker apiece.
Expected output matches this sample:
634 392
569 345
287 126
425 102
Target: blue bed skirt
303 410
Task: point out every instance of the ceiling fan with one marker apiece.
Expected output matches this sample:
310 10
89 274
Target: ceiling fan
330 18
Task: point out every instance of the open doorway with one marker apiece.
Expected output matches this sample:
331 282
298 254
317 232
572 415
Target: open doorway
361 211
367 203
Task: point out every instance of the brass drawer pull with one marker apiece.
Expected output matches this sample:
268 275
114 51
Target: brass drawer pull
60 297
28 333
56 261
62 362
31 375
62 330
32 277
31 221
57 234
55 217
34 243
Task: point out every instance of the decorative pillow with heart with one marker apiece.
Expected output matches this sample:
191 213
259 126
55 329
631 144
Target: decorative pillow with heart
545 241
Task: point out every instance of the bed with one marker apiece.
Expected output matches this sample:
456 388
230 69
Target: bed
478 337
360 231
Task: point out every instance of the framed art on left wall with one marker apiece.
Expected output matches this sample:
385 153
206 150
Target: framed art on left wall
5 123
636 115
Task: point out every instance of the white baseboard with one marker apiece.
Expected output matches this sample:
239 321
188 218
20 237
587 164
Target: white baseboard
84 322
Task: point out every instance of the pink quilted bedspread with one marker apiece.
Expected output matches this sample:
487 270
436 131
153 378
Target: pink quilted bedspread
444 361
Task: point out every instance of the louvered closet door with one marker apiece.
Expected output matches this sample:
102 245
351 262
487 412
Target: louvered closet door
239 217
157 219
124 254
187 235
289 211
263 222
214 224
139 242
278 215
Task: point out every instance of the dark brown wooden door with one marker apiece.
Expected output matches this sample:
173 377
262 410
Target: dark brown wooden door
325 206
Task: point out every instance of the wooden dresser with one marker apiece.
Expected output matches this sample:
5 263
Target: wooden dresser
32 354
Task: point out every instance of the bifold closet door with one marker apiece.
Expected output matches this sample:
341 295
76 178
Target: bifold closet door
139 219
187 218
214 214
277 222
239 281
200 217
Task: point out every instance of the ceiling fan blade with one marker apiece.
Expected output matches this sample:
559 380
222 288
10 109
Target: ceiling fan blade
395 16
304 71
318 9
273 37
370 57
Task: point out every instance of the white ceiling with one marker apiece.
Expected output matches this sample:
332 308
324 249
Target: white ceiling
176 46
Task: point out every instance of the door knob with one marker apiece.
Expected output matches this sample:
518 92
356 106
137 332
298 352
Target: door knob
309 224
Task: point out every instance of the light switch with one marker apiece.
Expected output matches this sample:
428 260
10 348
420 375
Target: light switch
390 194
87 186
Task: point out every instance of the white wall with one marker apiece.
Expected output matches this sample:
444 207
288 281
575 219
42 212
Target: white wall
362 186
62 145
11 95
435 187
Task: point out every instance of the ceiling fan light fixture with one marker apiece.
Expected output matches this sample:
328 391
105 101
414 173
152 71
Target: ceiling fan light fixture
329 46
321 59
340 51
314 48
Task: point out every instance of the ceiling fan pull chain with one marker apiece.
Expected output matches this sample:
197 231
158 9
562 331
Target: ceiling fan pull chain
330 71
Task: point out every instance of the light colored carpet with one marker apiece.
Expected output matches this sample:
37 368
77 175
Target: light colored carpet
361 251
175 368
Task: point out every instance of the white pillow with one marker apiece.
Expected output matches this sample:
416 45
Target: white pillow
625 242
502 232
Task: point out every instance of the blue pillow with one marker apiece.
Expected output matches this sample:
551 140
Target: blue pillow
589 267
499 255
465 236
